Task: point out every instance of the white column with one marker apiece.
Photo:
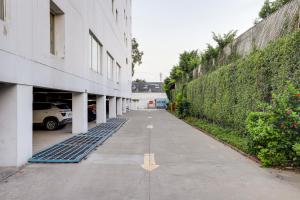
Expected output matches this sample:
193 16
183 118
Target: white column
16 125
112 107
119 106
101 109
124 106
129 104
79 112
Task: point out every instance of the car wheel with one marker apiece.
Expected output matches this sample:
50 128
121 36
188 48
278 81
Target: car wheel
51 124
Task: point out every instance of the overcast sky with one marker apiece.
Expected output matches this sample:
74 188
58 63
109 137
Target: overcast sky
165 28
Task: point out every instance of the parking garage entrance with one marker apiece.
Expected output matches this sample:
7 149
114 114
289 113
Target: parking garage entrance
52 116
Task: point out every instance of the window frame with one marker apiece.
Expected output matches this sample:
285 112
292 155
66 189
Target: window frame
118 73
110 66
99 54
52 33
3 18
56 15
113 6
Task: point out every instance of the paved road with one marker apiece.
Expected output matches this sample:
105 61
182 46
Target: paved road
192 166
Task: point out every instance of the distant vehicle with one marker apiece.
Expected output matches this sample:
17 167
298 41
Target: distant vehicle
51 115
151 104
161 103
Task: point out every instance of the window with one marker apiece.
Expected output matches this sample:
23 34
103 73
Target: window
52 33
57 30
113 6
117 16
62 106
2 10
110 66
96 54
42 106
118 73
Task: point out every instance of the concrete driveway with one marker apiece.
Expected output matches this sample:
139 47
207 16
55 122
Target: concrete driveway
186 164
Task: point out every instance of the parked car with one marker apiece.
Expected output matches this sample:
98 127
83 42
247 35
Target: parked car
51 115
91 112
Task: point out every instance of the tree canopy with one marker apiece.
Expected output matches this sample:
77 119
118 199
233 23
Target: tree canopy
137 55
270 7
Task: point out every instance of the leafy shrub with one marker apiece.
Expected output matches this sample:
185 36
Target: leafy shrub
296 148
182 106
275 133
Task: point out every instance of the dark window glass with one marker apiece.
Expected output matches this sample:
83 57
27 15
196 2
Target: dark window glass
41 106
2 9
63 106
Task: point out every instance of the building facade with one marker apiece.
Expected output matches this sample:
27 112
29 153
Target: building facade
145 95
80 47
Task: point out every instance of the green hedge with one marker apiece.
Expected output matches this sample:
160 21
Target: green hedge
227 95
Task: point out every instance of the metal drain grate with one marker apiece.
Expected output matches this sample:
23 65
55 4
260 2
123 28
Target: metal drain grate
74 149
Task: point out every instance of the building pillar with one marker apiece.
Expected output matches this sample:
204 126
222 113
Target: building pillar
16 125
124 106
101 109
79 112
112 107
129 104
119 106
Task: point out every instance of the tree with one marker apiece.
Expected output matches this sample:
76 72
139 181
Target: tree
266 10
271 7
188 61
137 55
176 73
225 39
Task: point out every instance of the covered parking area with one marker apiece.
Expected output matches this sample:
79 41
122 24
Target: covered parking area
19 139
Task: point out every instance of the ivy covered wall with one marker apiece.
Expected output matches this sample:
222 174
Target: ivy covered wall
227 95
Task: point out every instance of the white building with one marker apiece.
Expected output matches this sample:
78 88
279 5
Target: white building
79 46
145 94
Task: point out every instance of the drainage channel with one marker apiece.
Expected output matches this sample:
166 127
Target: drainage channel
76 148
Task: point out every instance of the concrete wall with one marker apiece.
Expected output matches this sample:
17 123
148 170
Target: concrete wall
25 56
141 100
283 21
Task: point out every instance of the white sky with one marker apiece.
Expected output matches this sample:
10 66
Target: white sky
166 28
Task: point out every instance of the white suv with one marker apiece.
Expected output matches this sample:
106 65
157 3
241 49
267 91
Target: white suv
51 115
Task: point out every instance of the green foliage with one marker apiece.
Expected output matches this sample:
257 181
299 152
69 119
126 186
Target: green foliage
228 94
225 39
169 85
227 135
210 57
176 73
182 106
271 7
182 72
275 132
188 61
296 148
137 55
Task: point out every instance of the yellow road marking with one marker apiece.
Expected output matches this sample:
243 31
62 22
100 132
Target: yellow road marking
149 162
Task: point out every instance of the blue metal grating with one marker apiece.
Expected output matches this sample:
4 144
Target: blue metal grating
74 149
